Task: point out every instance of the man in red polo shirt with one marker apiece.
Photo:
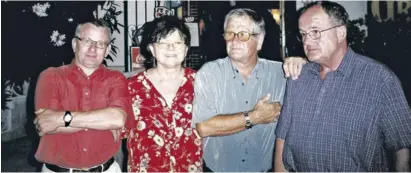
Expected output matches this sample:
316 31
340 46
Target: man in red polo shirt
80 106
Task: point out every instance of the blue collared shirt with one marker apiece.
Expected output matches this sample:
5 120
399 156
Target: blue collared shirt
346 122
220 89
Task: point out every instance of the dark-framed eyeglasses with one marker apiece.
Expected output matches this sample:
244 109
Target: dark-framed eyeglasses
88 42
242 36
313 34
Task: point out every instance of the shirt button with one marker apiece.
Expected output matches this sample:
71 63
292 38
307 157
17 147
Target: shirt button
243 160
85 149
242 84
86 130
246 102
88 78
86 93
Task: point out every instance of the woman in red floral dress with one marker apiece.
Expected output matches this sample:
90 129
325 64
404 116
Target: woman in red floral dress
160 137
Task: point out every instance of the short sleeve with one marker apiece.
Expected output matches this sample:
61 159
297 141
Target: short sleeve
47 94
119 95
205 95
284 121
396 119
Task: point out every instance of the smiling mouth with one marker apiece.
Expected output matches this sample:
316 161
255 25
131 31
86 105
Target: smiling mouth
171 56
91 56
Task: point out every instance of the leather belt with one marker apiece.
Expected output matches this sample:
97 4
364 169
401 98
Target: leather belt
99 168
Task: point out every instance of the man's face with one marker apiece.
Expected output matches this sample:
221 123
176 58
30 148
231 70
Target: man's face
92 46
242 50
318 49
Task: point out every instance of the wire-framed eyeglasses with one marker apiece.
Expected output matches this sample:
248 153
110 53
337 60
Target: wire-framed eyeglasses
313 34
242 36
88 42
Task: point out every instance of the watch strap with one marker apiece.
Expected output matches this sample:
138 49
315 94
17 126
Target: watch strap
248 123
67 123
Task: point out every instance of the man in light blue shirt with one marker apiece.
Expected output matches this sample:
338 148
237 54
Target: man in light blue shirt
238 99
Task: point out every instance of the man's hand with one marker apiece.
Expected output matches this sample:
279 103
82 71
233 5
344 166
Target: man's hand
265 112
402 160
292 66
48 121
116 134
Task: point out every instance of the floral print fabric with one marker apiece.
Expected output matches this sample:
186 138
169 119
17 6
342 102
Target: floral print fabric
161 139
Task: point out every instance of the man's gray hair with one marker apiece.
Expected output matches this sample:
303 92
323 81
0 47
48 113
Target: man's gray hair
257 20
98 23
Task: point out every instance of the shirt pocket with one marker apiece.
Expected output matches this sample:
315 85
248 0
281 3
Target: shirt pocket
101 100
354 112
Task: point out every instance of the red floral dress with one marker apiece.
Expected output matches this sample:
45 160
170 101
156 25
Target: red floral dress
161 139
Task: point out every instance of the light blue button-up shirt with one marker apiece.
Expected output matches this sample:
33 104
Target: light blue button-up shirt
220 89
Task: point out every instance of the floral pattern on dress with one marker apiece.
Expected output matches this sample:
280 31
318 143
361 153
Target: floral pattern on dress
161 139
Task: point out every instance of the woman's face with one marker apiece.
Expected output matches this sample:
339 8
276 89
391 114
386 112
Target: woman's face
170 51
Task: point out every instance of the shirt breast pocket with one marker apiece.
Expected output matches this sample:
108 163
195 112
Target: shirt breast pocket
353 108
101 100
355 115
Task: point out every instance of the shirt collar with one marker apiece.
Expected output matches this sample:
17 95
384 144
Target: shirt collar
344 68
347 63
75 69
255 71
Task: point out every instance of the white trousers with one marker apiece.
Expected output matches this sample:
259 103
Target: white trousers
115 167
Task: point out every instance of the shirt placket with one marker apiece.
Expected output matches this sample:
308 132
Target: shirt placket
170 141
86 94
316 118
246 88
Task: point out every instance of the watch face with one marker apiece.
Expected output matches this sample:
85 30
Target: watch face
67 118
248 123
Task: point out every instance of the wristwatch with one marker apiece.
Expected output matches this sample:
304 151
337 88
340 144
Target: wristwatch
67 118
248 124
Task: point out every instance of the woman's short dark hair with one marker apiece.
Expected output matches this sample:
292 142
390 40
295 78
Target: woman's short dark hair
158 29
166 25
337 13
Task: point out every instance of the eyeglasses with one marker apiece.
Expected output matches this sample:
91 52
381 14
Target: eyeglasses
242 36
176 45
314 34
88 42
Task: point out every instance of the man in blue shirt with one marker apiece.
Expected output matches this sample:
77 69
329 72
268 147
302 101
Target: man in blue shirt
346 112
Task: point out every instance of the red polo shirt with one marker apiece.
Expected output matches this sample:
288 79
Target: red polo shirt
68 88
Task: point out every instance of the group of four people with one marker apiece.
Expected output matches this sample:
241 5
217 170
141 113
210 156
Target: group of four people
344 112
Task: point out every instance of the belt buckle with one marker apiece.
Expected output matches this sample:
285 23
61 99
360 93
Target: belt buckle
98 168
85 169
